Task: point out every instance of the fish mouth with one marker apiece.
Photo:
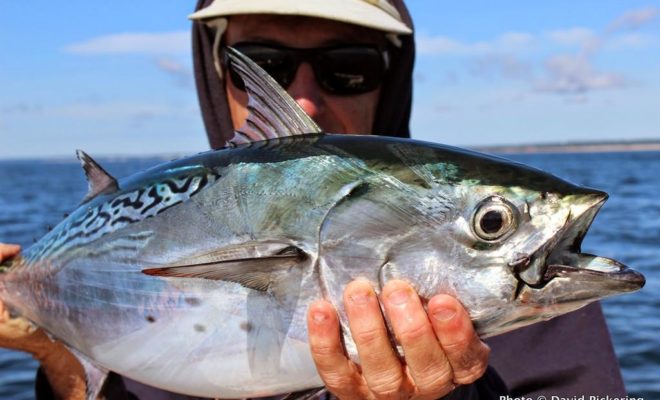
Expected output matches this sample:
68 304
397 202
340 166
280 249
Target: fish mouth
599 268
560 269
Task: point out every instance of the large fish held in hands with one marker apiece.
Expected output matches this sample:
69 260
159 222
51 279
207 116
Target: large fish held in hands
195 276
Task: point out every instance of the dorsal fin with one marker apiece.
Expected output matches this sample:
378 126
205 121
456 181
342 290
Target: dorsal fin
272 113
99 181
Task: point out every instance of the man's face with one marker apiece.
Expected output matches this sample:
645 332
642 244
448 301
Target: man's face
334 114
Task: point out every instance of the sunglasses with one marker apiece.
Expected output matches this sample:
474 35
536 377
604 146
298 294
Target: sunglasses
339 70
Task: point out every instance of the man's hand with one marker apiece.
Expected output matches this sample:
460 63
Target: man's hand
8 251
65 374
16 333
441 348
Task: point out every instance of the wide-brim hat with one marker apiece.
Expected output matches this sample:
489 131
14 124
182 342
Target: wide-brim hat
375 14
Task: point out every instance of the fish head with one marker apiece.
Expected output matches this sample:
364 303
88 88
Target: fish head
510 248
532 240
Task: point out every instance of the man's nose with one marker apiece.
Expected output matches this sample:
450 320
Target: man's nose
306 92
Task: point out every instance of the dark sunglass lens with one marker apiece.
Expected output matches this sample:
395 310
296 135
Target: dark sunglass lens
350 70
279 65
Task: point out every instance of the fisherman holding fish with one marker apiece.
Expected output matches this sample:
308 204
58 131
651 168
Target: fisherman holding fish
443 355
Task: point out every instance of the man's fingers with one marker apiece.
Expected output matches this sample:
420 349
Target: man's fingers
339 374
426 361
8 250
466 353
19 334
381 367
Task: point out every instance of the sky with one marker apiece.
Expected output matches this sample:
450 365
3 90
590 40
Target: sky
115 78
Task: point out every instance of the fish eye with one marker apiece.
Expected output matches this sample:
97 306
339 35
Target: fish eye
494 219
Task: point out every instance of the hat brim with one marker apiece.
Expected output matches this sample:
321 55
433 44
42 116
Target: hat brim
357 12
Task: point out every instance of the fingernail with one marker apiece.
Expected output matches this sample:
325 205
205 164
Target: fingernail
398 297
319 317
359 296
444 314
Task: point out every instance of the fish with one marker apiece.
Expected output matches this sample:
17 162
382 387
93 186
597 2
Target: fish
195 275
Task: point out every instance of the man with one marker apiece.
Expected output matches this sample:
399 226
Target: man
440 346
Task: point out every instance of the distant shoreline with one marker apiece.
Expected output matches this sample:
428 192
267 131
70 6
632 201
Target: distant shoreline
577 147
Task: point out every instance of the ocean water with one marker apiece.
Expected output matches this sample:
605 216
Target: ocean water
36 194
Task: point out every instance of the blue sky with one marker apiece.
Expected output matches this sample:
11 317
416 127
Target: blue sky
115 77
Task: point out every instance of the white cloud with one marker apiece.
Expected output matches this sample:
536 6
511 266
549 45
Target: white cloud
180 73
574 74
111 110
134 113
634 19
630 41
170 65
500 65
21 108
438 45
513 40
177 42
577 36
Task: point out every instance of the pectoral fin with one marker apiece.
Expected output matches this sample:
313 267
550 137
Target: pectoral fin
257 272
273 271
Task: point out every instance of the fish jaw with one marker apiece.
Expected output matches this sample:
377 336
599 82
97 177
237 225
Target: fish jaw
558 278
568 288
589 279
566 261
579 210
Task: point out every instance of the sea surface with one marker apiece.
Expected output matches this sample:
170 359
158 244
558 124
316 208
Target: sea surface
36 194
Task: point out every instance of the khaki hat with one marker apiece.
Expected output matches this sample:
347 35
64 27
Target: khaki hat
375 14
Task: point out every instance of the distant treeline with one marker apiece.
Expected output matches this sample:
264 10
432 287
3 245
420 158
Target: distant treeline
577 147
